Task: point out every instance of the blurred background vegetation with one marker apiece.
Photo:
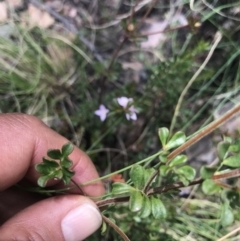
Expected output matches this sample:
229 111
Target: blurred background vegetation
60 60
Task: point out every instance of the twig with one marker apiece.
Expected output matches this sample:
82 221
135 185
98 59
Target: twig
109 201
78 187
176 185
133 11
116 228
146 14
125 38
207 130
158 32
229 234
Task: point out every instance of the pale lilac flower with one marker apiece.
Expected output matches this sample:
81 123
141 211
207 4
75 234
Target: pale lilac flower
102 112
131 111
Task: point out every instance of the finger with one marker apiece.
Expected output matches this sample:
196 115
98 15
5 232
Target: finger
25 140
62 218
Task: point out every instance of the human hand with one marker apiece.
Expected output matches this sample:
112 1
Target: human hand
24 140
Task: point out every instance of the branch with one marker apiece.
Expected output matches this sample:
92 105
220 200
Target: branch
205 131
176 185
116 228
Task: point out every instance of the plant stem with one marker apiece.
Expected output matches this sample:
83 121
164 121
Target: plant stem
205 131
176 185
78 187
146 14
158 32
150 158
116 228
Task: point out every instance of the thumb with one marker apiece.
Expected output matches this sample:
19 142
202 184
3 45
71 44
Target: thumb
62 218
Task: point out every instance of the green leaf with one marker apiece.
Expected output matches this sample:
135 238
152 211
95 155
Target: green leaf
209 187
234 199
227 139
103 228
158 209
42 181
148 173
66 162
227 216
207 172
58 174
67 175
164 170
180 159
188 172
163 158
137 176
136 201
54 154
184 180
163 134
121 188
147 208
222 150
232 161
235 147
46 166
177 140
67 149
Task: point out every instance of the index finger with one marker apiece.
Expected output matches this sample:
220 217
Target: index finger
24 140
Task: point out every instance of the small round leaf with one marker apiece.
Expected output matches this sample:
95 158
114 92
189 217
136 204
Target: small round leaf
227 216
148 173
188 172
136 201
222 150
121 188
163 134
180 159
137 176
209 187
54 154
42 181
164 170
147 208
232 161
207 172
177 140
158 209
67 149
235 147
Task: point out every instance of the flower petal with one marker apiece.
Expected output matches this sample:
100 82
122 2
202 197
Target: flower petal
102 112
123 101
128 117
133 116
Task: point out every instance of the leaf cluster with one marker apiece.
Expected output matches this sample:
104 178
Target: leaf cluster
58 167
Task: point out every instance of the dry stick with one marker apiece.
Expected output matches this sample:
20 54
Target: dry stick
229 234
124 39
158 32
207 130
116 228
146 14
176 185
104 78
180 100
78 187
133 11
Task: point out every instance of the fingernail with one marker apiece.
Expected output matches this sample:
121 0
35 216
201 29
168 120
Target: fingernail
81 222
